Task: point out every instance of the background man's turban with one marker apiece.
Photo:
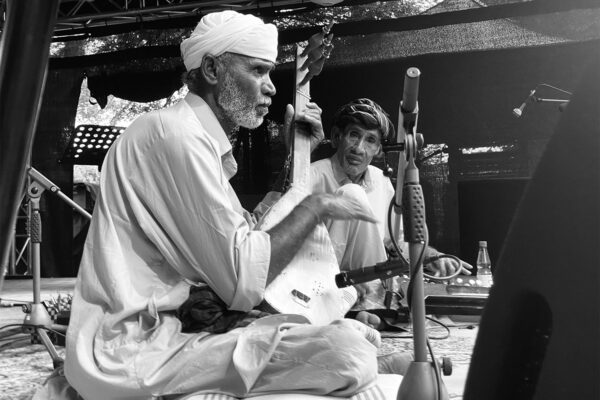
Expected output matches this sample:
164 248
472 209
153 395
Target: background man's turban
229 31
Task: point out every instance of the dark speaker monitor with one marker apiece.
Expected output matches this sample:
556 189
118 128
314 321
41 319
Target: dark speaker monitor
540 331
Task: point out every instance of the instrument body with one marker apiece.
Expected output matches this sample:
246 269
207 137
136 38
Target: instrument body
307 285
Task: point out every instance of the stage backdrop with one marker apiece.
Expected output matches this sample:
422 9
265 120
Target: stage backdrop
466 101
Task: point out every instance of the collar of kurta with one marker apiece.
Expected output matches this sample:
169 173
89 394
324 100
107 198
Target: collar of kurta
209 121
342 179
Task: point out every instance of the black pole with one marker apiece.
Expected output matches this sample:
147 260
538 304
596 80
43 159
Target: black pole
24 51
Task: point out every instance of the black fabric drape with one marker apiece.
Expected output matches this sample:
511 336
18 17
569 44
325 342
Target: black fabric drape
59 108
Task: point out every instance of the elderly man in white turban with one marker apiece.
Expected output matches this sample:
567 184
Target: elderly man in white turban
167 224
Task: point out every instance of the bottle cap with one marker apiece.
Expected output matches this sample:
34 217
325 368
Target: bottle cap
482 243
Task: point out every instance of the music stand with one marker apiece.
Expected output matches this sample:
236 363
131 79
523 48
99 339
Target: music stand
89 143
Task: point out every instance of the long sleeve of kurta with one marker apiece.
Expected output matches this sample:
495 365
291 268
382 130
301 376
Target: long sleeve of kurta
189 214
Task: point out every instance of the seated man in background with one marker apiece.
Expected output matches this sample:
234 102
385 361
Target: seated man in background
359 128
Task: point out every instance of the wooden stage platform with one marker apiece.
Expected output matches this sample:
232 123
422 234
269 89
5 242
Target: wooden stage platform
24 366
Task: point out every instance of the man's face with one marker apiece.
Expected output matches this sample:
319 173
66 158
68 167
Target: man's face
244 90
356 147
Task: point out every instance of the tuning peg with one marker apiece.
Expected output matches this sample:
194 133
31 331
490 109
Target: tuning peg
317 40
311 57
327 28
327 50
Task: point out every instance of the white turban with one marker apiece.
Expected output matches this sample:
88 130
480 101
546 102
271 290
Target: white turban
229 31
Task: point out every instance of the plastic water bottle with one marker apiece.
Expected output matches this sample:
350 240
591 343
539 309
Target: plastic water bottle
484 266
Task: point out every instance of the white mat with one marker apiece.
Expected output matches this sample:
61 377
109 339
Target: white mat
386 389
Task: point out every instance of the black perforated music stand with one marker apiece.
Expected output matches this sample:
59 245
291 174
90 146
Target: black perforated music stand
89 143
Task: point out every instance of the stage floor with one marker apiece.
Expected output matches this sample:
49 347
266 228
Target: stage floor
24 366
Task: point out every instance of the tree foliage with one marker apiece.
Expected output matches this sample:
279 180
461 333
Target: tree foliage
119 112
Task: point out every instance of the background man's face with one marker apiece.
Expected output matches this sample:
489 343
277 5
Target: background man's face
356 148
245 90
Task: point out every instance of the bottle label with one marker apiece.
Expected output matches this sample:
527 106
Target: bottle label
485 280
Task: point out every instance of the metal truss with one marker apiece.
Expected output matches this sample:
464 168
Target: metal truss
78 19
19 258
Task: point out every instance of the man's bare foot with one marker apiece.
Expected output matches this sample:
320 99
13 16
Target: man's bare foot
371 320
394 363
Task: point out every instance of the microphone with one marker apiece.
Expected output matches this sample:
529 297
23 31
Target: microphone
563 106
517 112
382 270
411 90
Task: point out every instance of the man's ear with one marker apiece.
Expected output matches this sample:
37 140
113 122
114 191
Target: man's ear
208 68
335 136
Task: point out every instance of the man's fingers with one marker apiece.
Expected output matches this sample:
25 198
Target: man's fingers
466 268
313 106
288 117
466 265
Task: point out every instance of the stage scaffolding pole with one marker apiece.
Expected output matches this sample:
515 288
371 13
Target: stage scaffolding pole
24 51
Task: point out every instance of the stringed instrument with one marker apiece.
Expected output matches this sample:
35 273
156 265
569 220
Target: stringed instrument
306 286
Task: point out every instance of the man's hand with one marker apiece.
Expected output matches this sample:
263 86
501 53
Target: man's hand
370 320
308 122
444 266
337 207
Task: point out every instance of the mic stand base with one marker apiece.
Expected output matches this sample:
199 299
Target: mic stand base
420 383
37 321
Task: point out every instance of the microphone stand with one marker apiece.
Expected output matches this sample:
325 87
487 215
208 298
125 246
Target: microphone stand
37 316
422 380
562 102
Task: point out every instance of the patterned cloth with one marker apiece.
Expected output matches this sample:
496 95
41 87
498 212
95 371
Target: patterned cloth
204 311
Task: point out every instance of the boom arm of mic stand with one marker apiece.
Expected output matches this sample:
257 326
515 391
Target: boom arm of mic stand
47 184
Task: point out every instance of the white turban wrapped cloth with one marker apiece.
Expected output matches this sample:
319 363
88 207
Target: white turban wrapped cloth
229 31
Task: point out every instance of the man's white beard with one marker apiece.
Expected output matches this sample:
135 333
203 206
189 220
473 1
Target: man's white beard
237 106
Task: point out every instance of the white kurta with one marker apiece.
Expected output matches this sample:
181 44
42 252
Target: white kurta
327 176
167 215
357 244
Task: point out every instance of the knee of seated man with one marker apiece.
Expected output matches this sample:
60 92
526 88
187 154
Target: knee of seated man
351 340
366 332
354 191
353 354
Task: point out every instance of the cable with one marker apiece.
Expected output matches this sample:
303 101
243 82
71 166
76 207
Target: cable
13 342
555 88
436 368
391 232
446 327
409 290
431 260
12 325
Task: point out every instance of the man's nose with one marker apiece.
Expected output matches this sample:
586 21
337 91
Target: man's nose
359 146
269 87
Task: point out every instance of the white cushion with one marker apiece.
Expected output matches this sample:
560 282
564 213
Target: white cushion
386 389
